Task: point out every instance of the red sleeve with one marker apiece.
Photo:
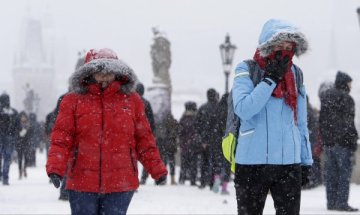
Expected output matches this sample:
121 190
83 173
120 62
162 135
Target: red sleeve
147 152
62 136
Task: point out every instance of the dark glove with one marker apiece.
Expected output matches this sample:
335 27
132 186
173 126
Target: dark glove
55 179
161 180
276 68
305 173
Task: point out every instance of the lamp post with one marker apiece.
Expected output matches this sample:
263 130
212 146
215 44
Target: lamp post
227 51
358 13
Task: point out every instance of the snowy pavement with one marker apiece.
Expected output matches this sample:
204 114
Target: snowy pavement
35 195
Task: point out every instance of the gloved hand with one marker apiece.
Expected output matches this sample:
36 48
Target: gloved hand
55 179
161 180
276 68
305 173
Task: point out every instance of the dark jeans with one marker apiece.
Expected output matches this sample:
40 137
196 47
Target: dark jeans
188 168
315 178
84 203
337 175
6 148
206 173
168 157
64 193
253 182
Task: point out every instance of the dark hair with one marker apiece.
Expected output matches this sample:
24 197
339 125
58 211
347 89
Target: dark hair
4 101
211 94
140 89
190 105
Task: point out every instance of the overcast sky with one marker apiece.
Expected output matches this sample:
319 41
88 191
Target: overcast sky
195 29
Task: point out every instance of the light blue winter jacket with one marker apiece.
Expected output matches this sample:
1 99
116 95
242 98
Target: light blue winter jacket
268 133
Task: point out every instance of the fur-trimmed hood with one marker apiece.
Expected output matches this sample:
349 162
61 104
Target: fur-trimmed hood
123 73
276 31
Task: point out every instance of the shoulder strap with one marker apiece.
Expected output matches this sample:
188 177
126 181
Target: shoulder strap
299 79
256 73
232 120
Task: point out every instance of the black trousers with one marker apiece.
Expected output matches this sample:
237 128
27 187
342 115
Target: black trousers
253 182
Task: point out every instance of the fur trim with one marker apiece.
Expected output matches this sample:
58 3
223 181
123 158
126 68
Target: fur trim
296 37
122 73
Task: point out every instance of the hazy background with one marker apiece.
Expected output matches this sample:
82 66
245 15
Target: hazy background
195 29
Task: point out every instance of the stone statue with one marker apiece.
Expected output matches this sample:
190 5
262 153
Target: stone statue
160 91
31 101
161 58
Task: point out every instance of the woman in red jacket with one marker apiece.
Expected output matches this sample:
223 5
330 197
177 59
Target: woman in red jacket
100 133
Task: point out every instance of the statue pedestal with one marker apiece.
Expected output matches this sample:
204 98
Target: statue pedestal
160 99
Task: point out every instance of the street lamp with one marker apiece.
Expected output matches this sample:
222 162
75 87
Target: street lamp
227 51
358 13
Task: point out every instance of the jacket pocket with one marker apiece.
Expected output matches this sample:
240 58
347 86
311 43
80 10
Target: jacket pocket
246 132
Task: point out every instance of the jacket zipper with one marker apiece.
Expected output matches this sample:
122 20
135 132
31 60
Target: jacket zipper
132 161
294 144
101 140
267 137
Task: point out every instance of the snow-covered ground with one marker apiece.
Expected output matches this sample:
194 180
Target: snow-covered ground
35 195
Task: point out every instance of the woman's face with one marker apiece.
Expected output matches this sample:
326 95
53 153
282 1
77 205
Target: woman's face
23 119
104 79
285 45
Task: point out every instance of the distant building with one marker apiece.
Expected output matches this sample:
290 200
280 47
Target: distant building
33 72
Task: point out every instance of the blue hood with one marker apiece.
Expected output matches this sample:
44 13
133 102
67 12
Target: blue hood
276 31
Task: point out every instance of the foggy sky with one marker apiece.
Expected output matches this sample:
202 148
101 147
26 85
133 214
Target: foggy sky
195 29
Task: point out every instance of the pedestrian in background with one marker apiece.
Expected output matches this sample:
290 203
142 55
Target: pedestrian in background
140 89
189 146
23 144
206 119
166 138
339 136
9 128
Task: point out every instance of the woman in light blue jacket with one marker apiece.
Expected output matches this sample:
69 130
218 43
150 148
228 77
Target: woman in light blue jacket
273 151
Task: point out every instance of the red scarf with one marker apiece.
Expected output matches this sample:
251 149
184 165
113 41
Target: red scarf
286 87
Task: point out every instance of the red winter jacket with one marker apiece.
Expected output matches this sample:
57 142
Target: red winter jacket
98 137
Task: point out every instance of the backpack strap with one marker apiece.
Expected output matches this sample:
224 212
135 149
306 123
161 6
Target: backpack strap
256 73
299 79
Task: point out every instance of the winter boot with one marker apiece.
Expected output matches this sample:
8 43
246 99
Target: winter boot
6 182
216 185
173 182
142 181
224 190
181 178
20 174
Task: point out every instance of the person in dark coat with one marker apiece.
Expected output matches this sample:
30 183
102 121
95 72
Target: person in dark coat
188 141
339 136
166 138
206 119
9 127
35 138
315 177
140 89
50 121
49 124
23 144
221 167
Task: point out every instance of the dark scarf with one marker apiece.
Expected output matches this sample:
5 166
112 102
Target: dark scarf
286 87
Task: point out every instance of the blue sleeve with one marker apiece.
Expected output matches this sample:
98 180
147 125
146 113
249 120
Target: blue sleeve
306 155
249 100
